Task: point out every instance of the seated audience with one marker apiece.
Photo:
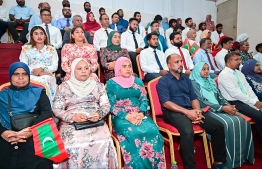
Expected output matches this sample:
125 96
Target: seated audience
152 60
235 89
240 38
140 28
136 131
3 19
87 8
176 29
194 26
205 34
202 55
162 46
64 23
179 24
164 24
258 56
91 25
189 24
243 51
59 12
78 48
181 108
176 41
111 53
215 36
77 21
234 126
81 100
201 28
220 56
218 47
17 148
114 25
172 26
101 12
19 16
191 36
133 42
41 58
210 25
101 35
158 19
122 21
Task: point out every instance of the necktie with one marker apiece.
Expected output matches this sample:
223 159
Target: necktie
212 67
239 83
47 32
115 27
136 45
183 58
157 60
106 32
138 29
219 36
67 23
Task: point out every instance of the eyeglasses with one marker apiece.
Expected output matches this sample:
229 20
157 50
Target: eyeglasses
46 15
67 10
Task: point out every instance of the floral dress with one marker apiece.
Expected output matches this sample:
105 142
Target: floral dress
45 58
256 86
141 146
71 51
91 147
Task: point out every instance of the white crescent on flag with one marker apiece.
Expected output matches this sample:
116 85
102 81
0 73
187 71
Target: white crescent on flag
47 139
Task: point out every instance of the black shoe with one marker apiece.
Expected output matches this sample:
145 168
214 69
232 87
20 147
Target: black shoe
58 80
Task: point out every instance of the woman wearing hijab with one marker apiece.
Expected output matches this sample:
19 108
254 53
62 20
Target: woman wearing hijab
252 71
238 134
207 34
111 53
240 38
164 24
140 140
17 147
82 99
210 25
191 36
91 25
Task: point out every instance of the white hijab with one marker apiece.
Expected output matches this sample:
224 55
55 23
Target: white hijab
80 88
242 37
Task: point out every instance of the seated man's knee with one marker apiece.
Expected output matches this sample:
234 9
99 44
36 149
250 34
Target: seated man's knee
187 132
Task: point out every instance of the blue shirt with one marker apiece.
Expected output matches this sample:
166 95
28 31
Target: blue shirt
21 12
161 40
180 92
35 20
123 22
61 23
120 28
201 56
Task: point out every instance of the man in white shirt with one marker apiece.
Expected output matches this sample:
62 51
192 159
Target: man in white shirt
201 27
172 25
215 36
220 56
189 24
3 19
158 18
176 41
258 56
140 28
153 61
234 88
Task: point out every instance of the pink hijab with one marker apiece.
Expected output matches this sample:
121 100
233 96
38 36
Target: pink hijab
125 82
210 25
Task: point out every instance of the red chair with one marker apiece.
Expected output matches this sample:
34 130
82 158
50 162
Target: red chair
141 73
168 129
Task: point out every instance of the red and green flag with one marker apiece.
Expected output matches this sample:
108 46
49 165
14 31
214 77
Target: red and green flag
194 48
48 142
186 44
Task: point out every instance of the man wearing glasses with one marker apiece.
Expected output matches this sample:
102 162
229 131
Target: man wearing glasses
63 24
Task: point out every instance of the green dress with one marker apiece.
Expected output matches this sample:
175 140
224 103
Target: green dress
238 134
141 146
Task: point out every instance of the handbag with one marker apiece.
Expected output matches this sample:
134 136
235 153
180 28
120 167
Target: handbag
20 121
89 124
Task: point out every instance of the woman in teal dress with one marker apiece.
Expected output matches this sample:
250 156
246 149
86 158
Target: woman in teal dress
238 135
140 140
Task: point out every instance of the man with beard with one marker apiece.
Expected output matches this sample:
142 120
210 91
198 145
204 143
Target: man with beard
181 108
235 89
189 24
152 60
158 18
201 28
20 15
176 41
87 7
215 36
133 42
59 13
202 55
121 21
140 28
66 22
172 25
114 25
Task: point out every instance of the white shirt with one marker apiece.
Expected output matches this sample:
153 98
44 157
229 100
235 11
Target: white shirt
258 57
220 58
215 37
187 57
142 30
168 33
55 35
4 13
161 31
127 41
148 61
198 34
184 33
100 38
230 89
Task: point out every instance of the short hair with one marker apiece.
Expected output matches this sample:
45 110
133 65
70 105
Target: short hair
158 18
87 3
230 55
136 14
240 44
225 40
42 3
200 25
258 46
43 10
132 19
66 5
149 36
76 16
152 23
176 28
187 20
202 41
100 17
114 14
171 21
172 35
119 10
100 9
219 25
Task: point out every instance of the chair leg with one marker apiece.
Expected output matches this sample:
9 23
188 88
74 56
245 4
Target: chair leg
211 152
171 146
118 151
206 149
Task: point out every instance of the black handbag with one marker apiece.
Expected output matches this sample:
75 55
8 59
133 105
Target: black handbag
20 121
89 124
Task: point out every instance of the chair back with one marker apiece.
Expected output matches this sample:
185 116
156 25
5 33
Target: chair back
141 73
215 79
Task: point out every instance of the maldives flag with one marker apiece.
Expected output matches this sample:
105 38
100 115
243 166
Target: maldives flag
194 48
186 44
48 142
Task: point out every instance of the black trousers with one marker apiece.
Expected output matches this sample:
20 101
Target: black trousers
252 113
59 68
3 26
133 60
12 28
184 126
